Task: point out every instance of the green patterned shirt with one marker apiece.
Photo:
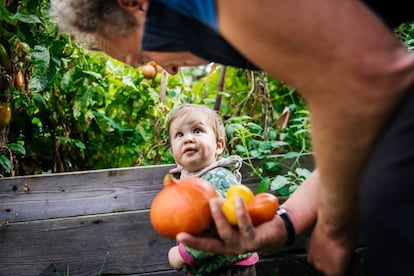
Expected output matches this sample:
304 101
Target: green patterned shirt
207 262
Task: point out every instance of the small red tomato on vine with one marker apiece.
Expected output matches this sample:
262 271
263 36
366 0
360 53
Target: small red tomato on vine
158 68
19 80
148 71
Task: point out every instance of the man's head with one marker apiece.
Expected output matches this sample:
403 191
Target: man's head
115 26
170 39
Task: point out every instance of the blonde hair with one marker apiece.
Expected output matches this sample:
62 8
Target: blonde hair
83 18
213 118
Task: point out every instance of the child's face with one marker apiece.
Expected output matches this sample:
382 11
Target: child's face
193 142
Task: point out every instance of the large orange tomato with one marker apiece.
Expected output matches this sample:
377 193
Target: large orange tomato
262 208
182 206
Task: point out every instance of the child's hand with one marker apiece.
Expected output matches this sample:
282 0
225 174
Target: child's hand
175 259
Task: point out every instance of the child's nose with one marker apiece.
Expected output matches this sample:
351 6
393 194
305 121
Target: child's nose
189 138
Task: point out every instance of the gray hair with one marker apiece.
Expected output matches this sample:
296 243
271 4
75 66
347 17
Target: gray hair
83 18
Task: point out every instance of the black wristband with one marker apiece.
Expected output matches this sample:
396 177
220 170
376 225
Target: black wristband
290 230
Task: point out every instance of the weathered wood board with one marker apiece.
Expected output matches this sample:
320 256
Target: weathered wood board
83 193
82 243
84 223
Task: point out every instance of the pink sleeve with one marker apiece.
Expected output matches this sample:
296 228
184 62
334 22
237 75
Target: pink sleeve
254 258
188 259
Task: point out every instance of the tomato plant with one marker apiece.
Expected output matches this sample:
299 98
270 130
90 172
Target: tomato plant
76 102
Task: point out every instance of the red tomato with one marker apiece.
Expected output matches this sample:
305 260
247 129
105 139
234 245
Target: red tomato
19 80
262 208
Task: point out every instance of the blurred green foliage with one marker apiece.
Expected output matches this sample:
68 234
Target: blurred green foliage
79 110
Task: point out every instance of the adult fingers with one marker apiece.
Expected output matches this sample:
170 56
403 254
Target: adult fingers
330 256
201 243
244 222
224 229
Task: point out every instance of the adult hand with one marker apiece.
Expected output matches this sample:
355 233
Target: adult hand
237 240
331 254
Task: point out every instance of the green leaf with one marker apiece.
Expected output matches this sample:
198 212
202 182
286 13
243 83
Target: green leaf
38 99
292 188
284 191
111 124
255 128
41 57
93 74
41 61
255 154
272 166
36 121
5 14
291 155
263 185
26 18
5 163
76 142
279 182
17 148
303 173
278 144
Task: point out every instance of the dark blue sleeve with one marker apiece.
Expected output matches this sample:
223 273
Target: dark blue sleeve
202 10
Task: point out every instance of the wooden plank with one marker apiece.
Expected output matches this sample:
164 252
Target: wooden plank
93 192
81 245
69 221
122 243
81 193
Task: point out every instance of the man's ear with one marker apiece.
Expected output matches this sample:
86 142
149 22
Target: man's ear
221 142
133 5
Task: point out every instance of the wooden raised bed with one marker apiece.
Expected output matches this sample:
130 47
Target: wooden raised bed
94 222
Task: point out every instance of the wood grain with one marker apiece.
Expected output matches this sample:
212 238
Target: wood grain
79 222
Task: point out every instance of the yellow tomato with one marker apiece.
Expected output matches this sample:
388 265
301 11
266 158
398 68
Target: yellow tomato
229 209
242 191
5 114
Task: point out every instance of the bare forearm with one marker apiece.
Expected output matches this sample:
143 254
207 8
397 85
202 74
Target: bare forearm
301 207
345 62
302 204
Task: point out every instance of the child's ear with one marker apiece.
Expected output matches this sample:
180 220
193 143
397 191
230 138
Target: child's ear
221 142
133 5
